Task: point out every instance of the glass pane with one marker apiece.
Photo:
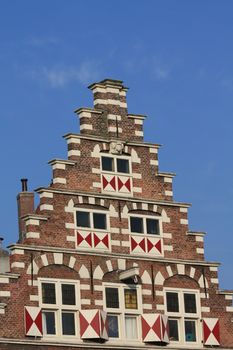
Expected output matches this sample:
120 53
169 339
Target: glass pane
190 303
83 219
122 166
190 330
173 330
48 293
136 225
152 226
107 164
112 298
68 323
49 326
130 298
131 331
99 221
113 331
68 294
172 302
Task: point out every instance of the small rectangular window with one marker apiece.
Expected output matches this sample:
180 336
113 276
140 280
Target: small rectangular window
122 166
83 219
113 327
68 294
131 331
99 221
131 299
49 326
152 226
190 303
136 225
190 330
173 330
107 164
68 323
172 302
48 293
112 298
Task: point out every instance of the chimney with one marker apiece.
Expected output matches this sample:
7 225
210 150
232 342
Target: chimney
25 201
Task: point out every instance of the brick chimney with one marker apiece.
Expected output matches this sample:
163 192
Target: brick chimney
25 201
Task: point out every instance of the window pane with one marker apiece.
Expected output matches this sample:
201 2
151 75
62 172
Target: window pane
107 163
112 298
99 221
48 293
83 219
68 294
68 323
173 330
190 303
130 298
131 331
48 318
122 166
190 330
152 226
136 225
113 330
172 302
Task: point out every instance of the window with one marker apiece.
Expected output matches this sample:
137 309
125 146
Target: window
91 220
59 303
122 306
92 230
118 165
145 225
183 311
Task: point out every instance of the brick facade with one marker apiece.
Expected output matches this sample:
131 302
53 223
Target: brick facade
164 257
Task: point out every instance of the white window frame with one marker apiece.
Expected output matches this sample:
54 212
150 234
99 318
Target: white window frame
91 229
121 312
144 217
115 157
58 308
181 316
91 212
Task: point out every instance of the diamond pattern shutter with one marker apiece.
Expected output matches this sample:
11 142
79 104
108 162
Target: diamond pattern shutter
109 183
155 328
33 321
93 324
138 244
211 335
124 185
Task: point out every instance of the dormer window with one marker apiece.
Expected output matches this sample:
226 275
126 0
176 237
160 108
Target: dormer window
91 220
92 230
118 165
116 174
144 225
145 235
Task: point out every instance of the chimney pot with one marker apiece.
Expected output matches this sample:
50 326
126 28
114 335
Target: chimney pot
24 185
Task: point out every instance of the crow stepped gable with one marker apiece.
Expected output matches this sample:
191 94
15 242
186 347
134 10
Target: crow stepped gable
107 260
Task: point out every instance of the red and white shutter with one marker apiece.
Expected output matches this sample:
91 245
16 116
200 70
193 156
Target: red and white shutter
84 239
154 328
109 183
33 321
154 246
124 184
93 324
211 335
138 244
101 240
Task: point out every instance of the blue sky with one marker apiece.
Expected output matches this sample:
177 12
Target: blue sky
177 59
